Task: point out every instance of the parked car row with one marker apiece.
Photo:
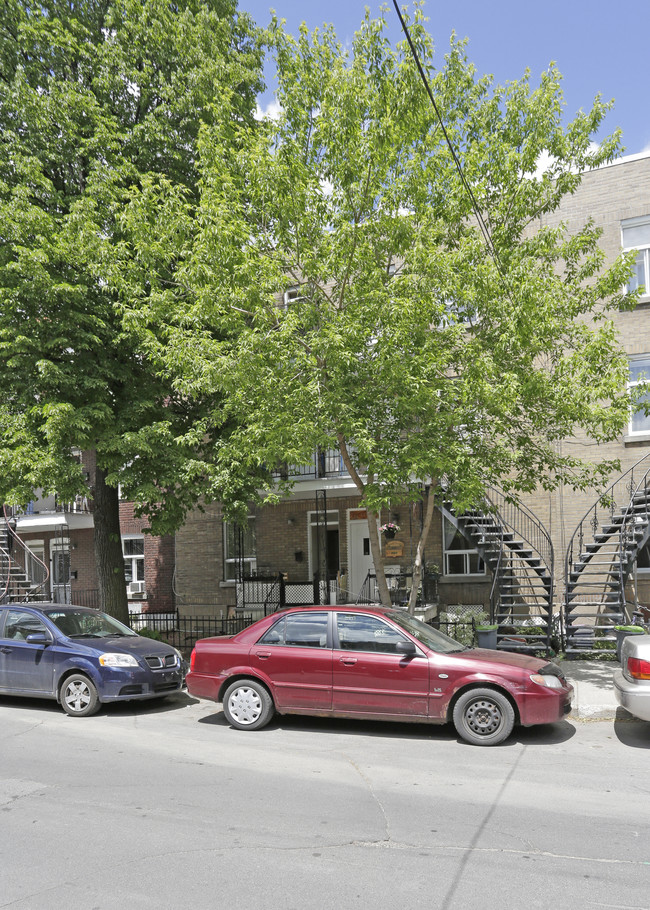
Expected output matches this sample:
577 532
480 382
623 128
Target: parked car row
338 661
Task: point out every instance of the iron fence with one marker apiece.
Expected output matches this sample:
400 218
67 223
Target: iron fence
183 632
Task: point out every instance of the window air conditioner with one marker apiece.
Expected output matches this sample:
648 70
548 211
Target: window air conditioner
136 587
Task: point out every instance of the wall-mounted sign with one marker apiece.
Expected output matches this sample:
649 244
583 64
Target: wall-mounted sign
393 549
358 515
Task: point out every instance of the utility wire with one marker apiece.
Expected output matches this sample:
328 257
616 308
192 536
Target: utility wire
481 223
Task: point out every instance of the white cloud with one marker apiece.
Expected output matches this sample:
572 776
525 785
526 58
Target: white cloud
272 111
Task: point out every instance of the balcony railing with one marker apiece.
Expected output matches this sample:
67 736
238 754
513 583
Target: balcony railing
52 505
324 463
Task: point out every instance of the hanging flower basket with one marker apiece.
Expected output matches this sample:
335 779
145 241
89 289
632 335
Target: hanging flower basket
389 530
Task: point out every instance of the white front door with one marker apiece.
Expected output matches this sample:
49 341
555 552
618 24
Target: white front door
359 558
60 572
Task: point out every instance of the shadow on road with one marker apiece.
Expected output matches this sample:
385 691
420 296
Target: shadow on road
162 705
630 731
541 735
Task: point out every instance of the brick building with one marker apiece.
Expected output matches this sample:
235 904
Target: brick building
287 538
60 540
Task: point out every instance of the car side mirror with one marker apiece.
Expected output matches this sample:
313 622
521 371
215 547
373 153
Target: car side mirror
38 638
407 648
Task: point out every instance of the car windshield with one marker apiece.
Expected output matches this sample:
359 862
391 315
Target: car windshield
87 624
430 637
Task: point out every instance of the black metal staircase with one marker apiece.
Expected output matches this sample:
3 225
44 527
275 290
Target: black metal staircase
516 547
23 575
600 557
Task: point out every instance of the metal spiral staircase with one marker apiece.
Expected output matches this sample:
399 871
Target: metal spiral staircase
23 575
600 556
518 550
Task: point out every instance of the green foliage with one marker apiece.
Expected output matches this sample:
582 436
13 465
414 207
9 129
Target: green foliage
101 100
408 345
146 632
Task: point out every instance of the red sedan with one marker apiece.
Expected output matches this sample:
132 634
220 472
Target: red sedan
372 663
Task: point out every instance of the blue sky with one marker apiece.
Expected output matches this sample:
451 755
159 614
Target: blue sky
597 47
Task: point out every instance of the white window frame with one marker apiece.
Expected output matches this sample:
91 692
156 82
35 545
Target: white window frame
635 236
136 560
292 295
635 384
230 561
467 554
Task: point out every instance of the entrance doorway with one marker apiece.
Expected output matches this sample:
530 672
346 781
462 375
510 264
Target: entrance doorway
324 545
359 556
60 571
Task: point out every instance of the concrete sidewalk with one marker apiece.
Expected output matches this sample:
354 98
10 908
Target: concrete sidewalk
593 697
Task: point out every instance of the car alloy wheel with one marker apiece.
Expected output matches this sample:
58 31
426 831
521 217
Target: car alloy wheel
484 717
79 696
248 705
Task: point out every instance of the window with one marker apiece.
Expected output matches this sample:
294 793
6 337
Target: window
459 557
639 377
133 552
239 550
292 295
358 632
636 236
18 625
643 560
301 630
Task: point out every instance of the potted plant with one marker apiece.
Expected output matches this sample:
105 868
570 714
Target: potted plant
621 632
389 530
486 636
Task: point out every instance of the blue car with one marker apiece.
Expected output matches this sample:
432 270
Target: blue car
81 657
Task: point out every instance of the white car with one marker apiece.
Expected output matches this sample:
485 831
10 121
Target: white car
632 681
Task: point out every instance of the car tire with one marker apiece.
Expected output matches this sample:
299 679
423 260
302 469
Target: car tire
78 696
248 705
483 717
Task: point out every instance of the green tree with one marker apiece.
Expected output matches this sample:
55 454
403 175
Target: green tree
427 355
98 100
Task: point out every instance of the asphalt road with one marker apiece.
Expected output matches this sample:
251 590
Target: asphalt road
165 806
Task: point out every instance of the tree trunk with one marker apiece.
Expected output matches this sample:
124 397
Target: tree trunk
429 503
378 559
109 560
375 544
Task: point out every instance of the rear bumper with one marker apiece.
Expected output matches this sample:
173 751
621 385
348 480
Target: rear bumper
202 685
633 696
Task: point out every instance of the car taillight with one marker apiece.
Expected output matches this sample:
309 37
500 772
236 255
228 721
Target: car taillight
192 658
637 668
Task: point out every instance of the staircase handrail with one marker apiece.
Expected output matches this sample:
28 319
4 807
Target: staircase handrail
626 532
606 501
516 516
18 542
531 530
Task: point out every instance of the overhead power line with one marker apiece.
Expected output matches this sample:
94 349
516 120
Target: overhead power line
479 217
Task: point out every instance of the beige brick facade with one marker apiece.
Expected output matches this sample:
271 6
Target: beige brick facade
608 195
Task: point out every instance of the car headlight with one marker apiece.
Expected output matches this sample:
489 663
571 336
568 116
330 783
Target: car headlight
118 660
550 682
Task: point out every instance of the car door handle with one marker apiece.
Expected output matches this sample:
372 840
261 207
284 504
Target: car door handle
348 661
6 650
263 655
